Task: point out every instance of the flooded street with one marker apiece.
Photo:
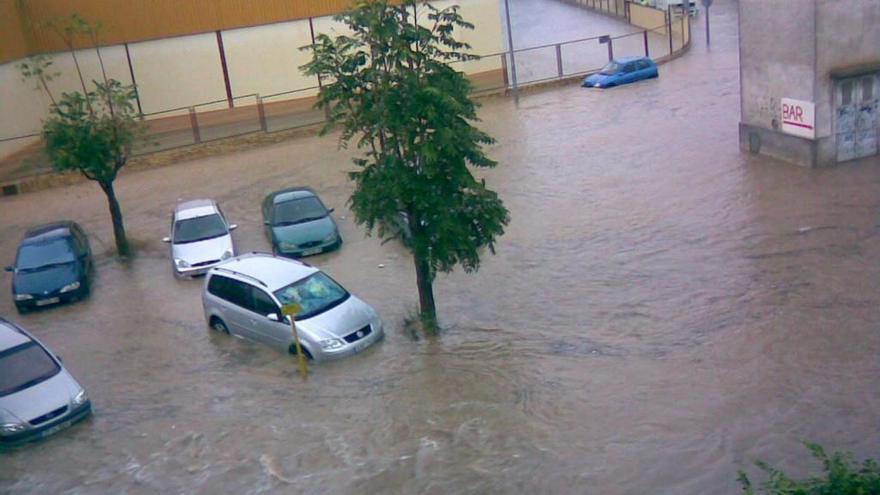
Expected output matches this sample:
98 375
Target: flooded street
662 310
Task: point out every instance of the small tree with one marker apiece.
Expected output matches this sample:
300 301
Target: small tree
393 89
92 132
843 476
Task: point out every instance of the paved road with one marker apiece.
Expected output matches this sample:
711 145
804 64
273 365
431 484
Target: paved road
662 310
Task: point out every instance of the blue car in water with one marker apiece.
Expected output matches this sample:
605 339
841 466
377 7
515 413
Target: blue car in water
622 71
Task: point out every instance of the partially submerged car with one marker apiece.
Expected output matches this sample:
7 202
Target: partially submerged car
244 297
298 224
53 265
38 396
622 71
200 237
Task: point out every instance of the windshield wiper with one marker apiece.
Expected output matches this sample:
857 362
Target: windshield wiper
294 222
43 267
188 241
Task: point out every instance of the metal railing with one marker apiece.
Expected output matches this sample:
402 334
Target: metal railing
254 113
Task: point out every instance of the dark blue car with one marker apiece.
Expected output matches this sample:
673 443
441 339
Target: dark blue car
53 265
622 71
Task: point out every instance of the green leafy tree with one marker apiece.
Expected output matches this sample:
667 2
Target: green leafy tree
390 87
93 131
843 476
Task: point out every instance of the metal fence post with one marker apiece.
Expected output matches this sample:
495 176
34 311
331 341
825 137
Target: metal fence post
646 44
512 52
669 27
194 123
559 59
261 111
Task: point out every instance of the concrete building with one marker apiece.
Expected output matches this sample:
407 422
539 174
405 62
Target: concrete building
810 79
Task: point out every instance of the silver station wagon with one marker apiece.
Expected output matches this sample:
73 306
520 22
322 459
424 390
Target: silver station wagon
244 295
200 237
37 395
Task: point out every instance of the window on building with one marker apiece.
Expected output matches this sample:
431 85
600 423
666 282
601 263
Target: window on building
846 90
868 88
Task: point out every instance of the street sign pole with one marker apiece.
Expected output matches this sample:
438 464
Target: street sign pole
291 310
707 4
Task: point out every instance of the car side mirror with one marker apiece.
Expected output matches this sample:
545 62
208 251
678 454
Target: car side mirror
266 222
166 239
331 210
273 317
233 226
9 269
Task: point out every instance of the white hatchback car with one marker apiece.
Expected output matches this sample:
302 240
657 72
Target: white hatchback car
244 295
200 237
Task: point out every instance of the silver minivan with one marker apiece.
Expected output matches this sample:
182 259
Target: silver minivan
37 395
244 295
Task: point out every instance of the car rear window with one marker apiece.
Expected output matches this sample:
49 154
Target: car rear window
229 289
24 366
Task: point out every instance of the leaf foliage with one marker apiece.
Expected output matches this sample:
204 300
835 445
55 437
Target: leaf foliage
842 475
390 87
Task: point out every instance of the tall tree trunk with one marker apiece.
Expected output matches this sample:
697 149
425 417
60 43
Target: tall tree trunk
116 216
425 283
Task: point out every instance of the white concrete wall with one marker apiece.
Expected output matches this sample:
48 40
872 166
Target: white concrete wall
185 71
178 72
265 60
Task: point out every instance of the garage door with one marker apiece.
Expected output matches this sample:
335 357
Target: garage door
857 125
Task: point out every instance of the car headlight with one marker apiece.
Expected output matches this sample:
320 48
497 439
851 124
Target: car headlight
330 238
286 246
80 398
226 255
330 344
181 264
10 428
70 287
23 297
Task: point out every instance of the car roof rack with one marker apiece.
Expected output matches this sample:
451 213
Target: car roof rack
227 270
301 262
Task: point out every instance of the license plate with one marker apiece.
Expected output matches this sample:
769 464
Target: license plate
309 252
51 300
55 429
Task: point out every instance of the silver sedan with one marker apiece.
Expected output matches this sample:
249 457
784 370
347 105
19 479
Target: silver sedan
37 395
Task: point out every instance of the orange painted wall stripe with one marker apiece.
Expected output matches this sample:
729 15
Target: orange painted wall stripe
141 20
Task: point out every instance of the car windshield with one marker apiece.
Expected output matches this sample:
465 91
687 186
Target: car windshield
24 366
298 210
610 68
199 229
314 294
38 255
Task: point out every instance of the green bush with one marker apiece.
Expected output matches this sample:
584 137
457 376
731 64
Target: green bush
842 476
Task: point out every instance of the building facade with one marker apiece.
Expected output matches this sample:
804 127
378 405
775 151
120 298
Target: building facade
810 79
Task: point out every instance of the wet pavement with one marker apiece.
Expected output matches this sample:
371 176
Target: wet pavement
662 310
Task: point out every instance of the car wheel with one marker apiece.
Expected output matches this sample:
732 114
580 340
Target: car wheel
292 351
219 325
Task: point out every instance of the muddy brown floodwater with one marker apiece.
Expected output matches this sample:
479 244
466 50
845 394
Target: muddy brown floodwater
662 310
